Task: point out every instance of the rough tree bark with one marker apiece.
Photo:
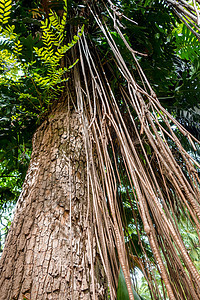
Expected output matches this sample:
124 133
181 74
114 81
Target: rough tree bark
47 254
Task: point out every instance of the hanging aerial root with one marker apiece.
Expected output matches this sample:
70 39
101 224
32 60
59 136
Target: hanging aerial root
164 180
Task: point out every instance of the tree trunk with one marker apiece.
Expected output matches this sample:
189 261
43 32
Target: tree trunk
47 253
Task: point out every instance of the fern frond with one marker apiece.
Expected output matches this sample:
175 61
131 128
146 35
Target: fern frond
17 47
64 18
5 10
8 32
70 67
44 54
52 52
51 80
55 20
49 35
46 27
5 44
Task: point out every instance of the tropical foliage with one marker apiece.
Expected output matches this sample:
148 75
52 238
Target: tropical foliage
151 182
30 79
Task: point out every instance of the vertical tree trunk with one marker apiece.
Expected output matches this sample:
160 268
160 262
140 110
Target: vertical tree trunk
47 252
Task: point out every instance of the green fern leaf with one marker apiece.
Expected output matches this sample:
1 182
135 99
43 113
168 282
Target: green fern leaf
8 8
7 3
6 13
5 10
5 20
54 19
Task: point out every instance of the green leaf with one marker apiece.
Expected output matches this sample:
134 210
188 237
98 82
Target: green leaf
8 8
7 2
5 21
122 292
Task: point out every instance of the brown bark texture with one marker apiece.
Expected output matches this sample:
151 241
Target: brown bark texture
47 253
